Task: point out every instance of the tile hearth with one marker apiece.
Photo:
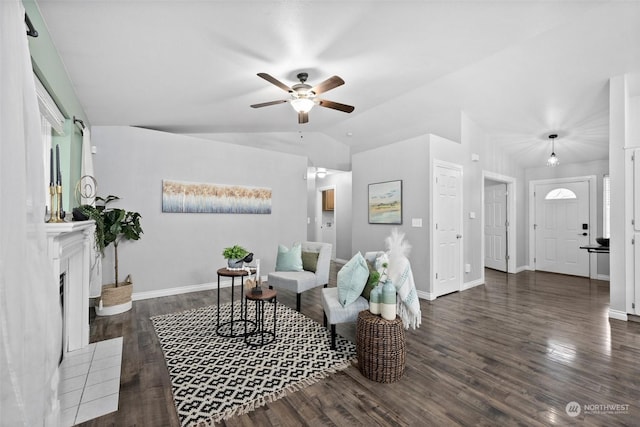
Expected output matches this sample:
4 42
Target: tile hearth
90 382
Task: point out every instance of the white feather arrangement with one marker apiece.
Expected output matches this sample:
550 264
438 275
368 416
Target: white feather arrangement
398 249
399 271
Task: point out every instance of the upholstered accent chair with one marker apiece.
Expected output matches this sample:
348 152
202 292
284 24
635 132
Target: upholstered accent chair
335 313
300 281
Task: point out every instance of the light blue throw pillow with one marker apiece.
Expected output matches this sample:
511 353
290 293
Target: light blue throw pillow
289 259
351 279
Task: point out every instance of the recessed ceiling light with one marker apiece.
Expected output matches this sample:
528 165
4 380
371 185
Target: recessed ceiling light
349 133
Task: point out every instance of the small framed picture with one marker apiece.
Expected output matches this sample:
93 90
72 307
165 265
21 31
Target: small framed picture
385 202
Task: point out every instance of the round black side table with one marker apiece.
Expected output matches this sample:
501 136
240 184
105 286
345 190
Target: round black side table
262 334
235 326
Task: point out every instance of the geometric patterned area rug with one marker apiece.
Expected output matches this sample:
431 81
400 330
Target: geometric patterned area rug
214 378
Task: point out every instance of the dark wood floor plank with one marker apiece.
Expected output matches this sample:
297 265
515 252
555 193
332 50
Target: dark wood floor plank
514 351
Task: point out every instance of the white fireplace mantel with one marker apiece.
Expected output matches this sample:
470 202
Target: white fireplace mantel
68 247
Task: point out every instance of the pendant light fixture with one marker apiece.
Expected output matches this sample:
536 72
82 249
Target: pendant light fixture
553 159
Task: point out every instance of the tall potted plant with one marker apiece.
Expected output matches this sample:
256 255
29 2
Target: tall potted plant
113 225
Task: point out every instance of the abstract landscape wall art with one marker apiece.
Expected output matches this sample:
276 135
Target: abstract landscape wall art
194 197
385 203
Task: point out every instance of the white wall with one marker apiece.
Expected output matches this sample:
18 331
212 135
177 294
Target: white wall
618 107
624 133
185 249
321 149
411 161
311 204
407 161
474 140
194 241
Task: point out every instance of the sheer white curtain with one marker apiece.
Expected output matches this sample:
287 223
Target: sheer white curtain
30 317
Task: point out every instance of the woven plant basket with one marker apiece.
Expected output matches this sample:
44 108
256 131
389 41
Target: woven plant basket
380 347
116 295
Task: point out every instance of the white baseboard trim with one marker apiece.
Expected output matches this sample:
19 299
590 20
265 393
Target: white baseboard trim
137 296
430 296
617 314
604 277
522 268
472 284
426 295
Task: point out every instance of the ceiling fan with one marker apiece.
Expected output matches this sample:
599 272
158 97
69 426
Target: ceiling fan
304 96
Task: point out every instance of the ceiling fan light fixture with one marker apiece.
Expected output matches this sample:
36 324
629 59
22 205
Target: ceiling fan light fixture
553 159
303 105
303 97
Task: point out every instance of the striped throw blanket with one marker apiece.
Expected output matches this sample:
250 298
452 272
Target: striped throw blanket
402 278
408 303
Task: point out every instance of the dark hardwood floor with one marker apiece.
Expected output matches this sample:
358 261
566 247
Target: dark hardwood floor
514 351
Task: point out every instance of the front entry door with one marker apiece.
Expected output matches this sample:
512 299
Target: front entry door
561 227
448 229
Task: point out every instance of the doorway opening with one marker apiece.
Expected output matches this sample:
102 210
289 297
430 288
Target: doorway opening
326 215
498 222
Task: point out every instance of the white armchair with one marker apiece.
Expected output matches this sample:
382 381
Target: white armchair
300 281
335 313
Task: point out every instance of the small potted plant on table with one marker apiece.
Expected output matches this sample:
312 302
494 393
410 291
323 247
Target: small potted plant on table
235 256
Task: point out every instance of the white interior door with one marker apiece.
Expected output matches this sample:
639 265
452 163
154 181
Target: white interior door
495 227
447 214
561 227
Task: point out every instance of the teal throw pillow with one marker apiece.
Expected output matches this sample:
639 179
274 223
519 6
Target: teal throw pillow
289 259
351 279
310 261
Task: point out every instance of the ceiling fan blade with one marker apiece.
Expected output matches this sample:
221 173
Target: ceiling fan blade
275 81
327 85
336 106
303 117
266 104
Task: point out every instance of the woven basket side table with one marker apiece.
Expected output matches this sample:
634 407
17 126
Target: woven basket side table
380 347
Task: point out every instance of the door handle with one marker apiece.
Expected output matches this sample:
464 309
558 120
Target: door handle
458 236
583 234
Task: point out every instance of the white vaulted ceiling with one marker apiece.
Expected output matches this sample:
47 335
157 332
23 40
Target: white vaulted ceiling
519 69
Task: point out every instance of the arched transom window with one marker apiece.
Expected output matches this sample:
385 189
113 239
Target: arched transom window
560 194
